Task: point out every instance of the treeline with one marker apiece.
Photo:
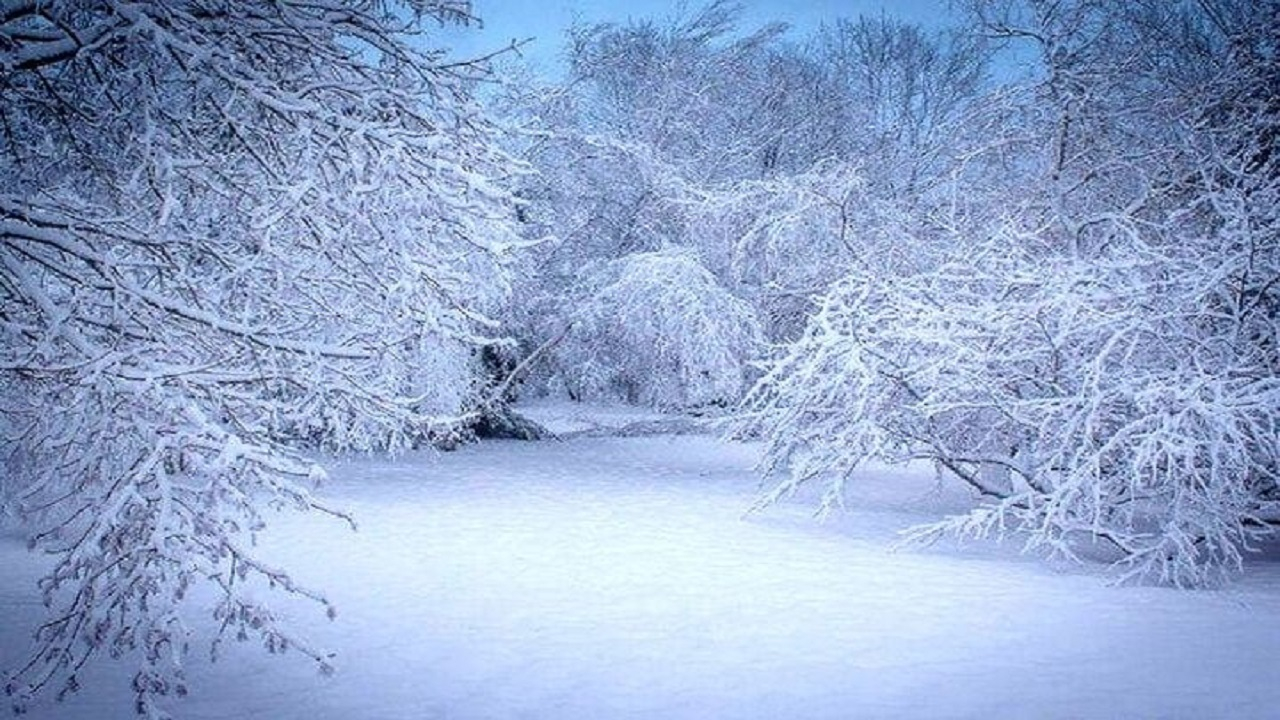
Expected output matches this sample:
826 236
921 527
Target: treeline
1059 284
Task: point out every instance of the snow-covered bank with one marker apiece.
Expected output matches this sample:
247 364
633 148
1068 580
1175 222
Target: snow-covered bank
615 578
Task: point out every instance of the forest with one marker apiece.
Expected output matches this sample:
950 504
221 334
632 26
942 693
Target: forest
240 241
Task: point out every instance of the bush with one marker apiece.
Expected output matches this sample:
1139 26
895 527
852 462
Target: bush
657 329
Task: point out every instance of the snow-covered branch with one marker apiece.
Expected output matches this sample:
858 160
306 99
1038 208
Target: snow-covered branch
229 234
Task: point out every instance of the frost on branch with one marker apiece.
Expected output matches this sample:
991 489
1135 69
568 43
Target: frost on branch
1103 362
656 328
228 232
784 240
1076 399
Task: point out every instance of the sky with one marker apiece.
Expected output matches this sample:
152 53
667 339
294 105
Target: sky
545 21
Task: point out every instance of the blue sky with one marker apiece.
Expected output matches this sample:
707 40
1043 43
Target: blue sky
546 20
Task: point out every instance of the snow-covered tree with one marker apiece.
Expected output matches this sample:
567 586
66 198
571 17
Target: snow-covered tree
657 329
1101 361
228 231
896 94
777 164
782 241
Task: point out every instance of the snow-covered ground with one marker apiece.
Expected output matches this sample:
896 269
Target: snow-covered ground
616 578
569 419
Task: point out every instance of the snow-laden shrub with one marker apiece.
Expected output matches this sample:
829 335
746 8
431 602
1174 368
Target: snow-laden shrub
1133 398
1094 348
657 329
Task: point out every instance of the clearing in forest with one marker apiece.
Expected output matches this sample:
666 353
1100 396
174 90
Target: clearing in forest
600 577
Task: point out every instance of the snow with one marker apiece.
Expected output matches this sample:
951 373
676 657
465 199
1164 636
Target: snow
568 418
617 578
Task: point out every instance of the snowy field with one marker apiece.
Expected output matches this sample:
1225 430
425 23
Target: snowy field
616 578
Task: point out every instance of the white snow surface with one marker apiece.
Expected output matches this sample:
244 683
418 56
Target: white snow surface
567 418
617 578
